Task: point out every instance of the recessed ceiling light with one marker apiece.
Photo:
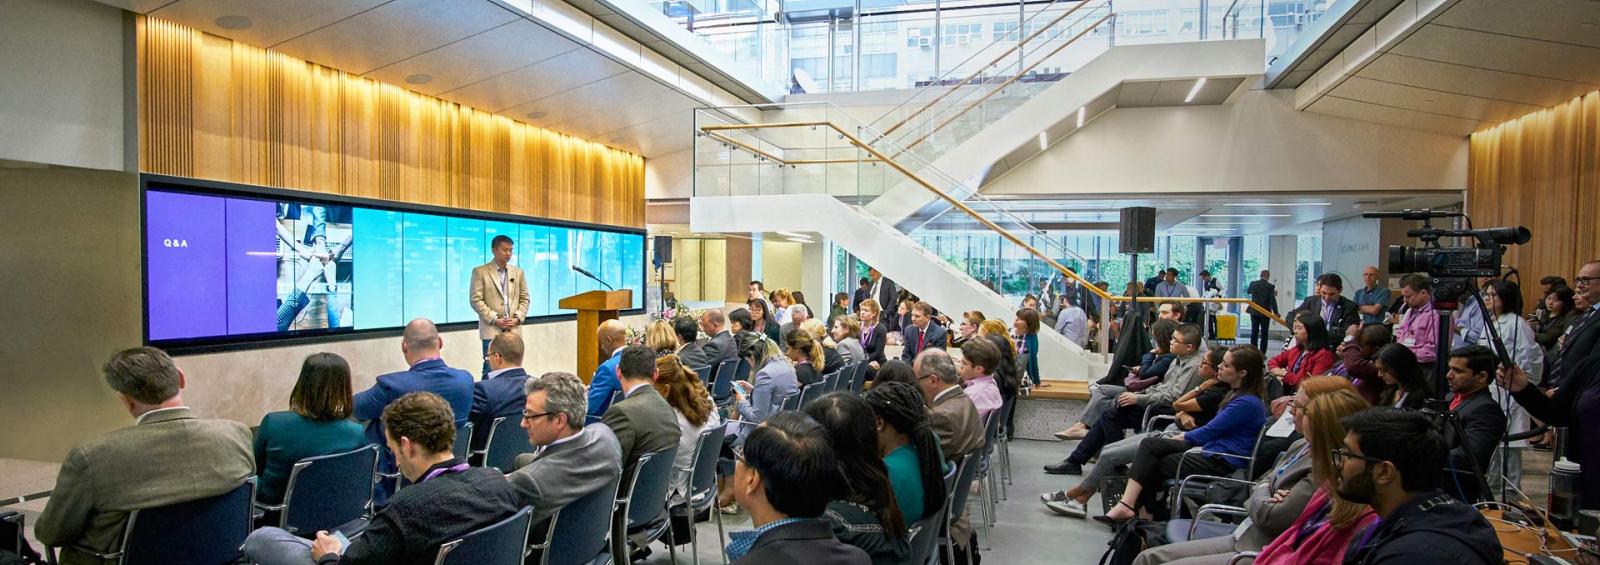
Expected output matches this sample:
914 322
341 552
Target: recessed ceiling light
233 22
537 115
793 234
1080 116
1196 90
419 78
1265 204
1244 215
1043 142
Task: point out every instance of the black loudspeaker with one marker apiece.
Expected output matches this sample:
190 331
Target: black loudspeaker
663 254
1137 231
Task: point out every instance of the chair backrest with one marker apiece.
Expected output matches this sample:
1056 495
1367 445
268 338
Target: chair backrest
646 497
812 392
704 373
703 478
966 471
208 530
583 526
507 440
741 372
830 381
722 380
463 439
500 543
858 377
327 491
925 538
991 428
791 402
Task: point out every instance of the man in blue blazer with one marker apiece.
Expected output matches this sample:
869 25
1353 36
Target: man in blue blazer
420 343
923 333
499 395
611 335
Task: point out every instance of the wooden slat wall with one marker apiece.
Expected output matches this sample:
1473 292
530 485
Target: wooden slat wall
1542 171
216 109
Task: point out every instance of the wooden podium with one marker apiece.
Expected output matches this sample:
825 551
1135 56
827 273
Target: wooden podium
594 307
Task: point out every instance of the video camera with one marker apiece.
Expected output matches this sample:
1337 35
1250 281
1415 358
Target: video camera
1450 268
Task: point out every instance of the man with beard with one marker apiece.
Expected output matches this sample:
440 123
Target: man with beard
1391 460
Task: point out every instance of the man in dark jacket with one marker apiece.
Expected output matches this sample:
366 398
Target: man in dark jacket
1262 292
1328 303
447 498
1391 460
784 464
421 344
1471 370
499 394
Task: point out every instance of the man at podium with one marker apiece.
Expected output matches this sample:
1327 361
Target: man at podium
499 295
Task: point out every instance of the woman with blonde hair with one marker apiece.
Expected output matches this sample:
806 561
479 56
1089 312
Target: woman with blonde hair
1008 376
874 333
696 412
782 299
805 354
660 337
1290 489
846 334
832 359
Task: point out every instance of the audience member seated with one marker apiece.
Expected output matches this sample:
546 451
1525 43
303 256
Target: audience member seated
832 360
806 356
611 336
953 417
499 394
1227 439
1150 371
719 343
863 511
1391 461
1194 409
447 498
970 320
782 299
773 381
1309 354
1418 328
846 333
1332 309
783 476
1560 312
874 334
909 448
661 338
761 320
1405 385
1071 321
922 334
1301 481
1184 375
692 351
695 411
799 314
1026 337
840 307
145 465
1007 375
1471 371
979 357
896 371
1358 354
739 323
642 421
420 343
316 423
575 459
902 317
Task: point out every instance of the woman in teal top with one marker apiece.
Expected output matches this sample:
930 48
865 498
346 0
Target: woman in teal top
910 449
317 423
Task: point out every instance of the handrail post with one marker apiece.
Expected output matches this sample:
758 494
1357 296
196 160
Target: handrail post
1105 328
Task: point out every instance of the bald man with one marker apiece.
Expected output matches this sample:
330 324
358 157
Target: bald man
420 344
611 335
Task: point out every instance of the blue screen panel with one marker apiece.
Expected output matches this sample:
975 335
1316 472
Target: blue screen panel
379 293
467 248
424 267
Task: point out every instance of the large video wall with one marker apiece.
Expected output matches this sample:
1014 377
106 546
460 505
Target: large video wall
225 265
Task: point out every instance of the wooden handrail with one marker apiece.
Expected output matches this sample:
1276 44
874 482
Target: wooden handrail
711 130
975 74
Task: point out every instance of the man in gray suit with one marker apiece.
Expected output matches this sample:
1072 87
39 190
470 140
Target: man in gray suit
721 346
642 420
692 352
576 459
953 417
146 465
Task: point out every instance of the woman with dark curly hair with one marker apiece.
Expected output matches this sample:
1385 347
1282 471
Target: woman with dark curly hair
909 448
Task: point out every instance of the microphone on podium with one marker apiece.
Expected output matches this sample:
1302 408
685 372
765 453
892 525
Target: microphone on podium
586 273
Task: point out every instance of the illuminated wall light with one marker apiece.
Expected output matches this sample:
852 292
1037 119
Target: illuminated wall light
1276 204
1043 142
1080 116
1196 90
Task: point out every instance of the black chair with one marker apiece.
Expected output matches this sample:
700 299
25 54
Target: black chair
791 402
506 441
858 377
966 472
327 491
463 439
584 528
641 510
501 543
705 373
208 530
830 381
925 532
702 495
812 392
722 381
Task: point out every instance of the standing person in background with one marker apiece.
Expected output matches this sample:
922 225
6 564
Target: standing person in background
1264 294
863 292
885 292
1210 289
499 295
1027 341
781 301
1503 300
1071 321
1372 300
1559 312
1169 287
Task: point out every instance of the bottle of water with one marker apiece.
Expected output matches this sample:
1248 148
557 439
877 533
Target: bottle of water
1564 495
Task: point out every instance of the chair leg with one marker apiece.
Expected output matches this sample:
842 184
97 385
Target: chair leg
722 539
694 537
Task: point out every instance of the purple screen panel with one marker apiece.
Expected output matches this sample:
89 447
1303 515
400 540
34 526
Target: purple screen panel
185 250
252 266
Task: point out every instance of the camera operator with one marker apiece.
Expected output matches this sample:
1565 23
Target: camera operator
1579 393
1471 370
1390 460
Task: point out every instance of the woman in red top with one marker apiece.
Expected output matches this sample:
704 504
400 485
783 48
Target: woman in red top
1309 356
